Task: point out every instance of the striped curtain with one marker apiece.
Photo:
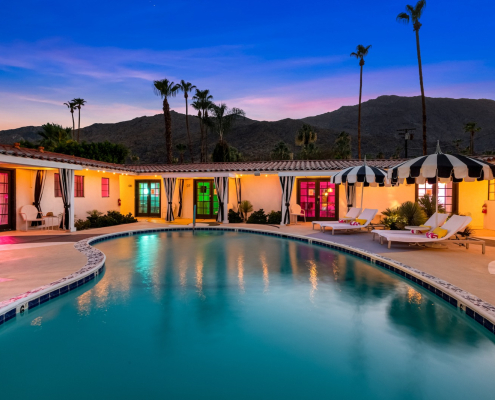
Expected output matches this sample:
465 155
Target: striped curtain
287 183
222 185
67 188
169 185
350 195
181 192
239 197
39 185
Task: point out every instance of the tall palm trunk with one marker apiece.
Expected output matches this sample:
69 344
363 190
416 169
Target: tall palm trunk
79 126
73 125
188 134
359 109
168 130
471 145
423 101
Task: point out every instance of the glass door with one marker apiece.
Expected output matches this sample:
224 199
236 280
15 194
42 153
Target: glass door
6 201
327 201
205 198
318 198
148 202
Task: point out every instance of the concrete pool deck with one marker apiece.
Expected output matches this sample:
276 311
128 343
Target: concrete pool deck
36 258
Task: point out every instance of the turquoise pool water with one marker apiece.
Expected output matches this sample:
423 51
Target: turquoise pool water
225 315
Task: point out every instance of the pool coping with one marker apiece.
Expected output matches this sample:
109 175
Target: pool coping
479 310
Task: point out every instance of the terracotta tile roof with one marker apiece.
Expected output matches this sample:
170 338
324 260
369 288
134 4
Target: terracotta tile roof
56 157
263 166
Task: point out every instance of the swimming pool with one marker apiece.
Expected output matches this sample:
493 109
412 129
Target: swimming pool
237 315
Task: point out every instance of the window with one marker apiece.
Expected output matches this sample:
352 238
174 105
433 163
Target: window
105 187
491 190
58 188
445 194
78 186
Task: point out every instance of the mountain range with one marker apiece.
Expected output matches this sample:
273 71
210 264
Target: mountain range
381 118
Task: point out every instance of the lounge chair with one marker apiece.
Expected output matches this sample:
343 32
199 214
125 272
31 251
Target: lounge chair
431 223
455 224
368 215
352 214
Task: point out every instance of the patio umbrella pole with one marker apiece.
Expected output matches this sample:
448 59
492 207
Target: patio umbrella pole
436 202
362 193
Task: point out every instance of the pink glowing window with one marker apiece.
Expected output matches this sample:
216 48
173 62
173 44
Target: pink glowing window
4 198
105 187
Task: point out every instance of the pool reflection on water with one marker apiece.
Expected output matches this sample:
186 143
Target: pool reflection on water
236 315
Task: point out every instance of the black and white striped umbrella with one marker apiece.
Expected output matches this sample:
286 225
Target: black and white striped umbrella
368 176
364 173
441 168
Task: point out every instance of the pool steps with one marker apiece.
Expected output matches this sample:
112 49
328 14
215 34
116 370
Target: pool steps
474 307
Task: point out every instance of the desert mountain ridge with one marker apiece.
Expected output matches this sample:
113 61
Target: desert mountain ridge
381 117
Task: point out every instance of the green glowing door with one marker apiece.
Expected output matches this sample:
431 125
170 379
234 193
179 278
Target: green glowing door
148 199
205 198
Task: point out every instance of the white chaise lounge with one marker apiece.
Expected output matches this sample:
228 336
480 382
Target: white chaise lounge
368 215
352 214
455 224
431 223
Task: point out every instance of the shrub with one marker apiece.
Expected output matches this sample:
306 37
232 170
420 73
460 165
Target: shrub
427 204
391 218
258 217
82 224
234 217
96 219
411 214
408 213
275 217
246 207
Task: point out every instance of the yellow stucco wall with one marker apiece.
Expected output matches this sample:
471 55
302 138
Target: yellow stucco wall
25 183
265 192
472 196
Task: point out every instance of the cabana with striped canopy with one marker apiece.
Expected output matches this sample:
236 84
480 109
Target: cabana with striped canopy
368 176
441 168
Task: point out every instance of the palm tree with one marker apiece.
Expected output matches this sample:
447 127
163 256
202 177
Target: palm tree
414 14
203 102
54 135
187 87
181 147
223 118
472 128
72 107
281 151
305 135
360 53
165 89
78 104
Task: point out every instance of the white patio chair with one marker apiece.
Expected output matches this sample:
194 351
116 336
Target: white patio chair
352 214
431 223
368 214
30 214
298 212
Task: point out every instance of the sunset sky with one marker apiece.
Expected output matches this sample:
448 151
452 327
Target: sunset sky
273 59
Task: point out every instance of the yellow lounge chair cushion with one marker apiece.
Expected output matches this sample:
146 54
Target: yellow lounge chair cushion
440 232
425 226
361 221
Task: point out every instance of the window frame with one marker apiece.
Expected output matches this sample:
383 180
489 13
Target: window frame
57 186
76 192
107 189
491 185
455 196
